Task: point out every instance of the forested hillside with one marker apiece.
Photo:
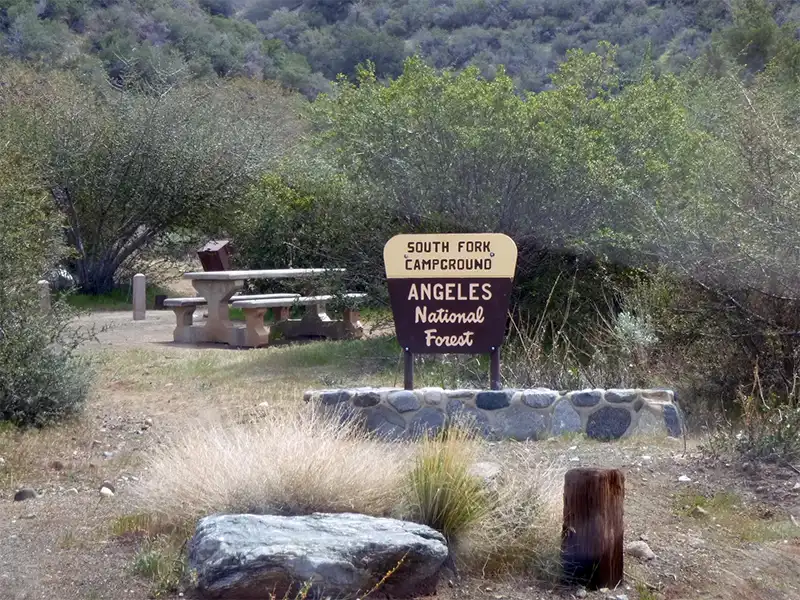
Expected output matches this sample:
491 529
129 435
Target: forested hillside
306 43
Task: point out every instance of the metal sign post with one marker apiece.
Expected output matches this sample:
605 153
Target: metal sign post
408 374
494 369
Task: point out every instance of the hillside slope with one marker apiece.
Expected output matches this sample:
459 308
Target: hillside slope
304 43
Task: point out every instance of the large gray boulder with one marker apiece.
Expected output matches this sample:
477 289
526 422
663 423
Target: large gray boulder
341 555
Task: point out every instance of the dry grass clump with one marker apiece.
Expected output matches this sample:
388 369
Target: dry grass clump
292 464
520 532
308 463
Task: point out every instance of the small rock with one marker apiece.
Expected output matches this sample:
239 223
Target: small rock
574 459
487 471
646 457
640 549
106 492
621 597
699 512
149 422
72 491
109 485
2 462
57 465
24 494
581 593
684 479
108 454
796 485
96 443
573 448
28 516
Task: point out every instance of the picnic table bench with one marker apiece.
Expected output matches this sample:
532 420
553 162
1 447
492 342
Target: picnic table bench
216 290
184 307
314 323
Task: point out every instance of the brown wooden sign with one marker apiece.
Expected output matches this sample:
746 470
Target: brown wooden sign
450 292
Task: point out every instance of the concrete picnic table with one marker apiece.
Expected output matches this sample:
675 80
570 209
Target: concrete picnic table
217 287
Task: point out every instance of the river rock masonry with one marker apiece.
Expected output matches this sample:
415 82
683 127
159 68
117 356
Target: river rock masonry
531 414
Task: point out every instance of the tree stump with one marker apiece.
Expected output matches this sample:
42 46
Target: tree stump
591 542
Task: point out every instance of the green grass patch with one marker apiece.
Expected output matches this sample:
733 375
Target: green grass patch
120 298
136 524
721 503
163 561
146 524
734 516
645 593
380 352
161 557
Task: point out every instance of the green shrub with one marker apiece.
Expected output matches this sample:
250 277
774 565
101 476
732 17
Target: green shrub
770 429
41 378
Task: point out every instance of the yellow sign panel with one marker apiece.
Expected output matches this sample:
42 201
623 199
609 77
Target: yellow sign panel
450 255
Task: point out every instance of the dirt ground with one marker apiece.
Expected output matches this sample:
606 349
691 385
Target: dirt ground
60 545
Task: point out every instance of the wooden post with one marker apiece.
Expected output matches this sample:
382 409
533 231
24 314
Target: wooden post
139 296
44 296
591 543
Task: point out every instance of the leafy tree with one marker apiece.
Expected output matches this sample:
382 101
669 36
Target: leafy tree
222 8
126 168
754 35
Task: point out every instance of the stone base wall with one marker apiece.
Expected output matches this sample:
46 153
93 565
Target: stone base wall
533 414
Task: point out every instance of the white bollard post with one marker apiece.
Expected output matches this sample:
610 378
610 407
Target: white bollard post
44 296
139 296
